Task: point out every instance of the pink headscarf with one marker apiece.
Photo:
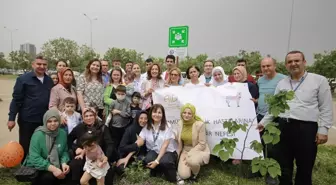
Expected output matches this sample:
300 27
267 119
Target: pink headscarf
243 71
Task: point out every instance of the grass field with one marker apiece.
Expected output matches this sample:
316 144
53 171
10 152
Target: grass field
217 173
8 77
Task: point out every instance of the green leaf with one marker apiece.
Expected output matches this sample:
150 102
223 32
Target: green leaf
256 146
267 138
273 171
243 127
276 139
290 95
224 155
217 148
227 124
255 168
230 150
263 170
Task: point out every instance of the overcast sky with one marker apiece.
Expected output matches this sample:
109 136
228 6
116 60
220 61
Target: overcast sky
216 27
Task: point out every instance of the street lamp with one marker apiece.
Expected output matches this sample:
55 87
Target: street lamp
290 26
11 35
91 20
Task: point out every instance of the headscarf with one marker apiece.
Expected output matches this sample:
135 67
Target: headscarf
193 111
221 70
135 128
50 136
60 77
243 71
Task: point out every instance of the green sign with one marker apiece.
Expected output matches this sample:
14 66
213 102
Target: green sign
178 36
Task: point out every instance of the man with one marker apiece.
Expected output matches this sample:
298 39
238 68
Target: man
128 67
205 78
105 74
300 132
149 62
170 63
242 62
258 74
267 84
30 101
116 63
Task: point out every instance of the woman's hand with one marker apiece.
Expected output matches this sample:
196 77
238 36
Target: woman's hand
152 165
65 168
123 161
58 173
78 151
63 120
80 156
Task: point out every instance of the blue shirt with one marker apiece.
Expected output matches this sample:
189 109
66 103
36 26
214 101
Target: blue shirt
267 86
106 78
30 98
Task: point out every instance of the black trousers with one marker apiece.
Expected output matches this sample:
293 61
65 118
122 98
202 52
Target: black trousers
26 130
46 177
116 136
167 165
297 141
76 172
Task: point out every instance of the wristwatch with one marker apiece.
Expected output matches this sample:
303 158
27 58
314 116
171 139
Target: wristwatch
157 162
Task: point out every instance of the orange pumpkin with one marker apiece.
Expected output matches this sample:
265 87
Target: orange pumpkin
11 154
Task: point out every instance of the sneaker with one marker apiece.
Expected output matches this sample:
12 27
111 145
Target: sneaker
179 180
193 178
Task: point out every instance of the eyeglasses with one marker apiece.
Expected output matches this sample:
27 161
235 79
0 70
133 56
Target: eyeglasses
174 74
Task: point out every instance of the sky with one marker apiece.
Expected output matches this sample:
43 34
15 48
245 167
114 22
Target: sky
216 27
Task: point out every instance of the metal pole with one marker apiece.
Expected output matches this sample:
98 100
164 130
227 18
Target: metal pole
290 26
91 21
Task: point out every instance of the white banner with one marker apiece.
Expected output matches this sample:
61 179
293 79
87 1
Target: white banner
214 106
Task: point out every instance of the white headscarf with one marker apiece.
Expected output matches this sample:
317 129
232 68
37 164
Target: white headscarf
221 70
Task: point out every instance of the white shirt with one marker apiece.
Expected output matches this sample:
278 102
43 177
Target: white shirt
40 78
72 120
162 136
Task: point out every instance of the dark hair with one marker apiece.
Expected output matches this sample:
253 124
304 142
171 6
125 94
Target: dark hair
69 100
257 71
62 60
241 60
148 60
40 57
116 69
88 72
121 88
155 108
213 64
149 75
136 94
193 66
129 76
295 52
129 62
88 138
170 57
54 74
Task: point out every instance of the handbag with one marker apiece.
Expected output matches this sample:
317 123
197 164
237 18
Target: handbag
28 174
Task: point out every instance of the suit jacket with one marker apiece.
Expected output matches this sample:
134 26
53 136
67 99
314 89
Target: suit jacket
199 141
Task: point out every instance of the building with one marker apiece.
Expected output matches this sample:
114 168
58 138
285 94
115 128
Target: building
28 48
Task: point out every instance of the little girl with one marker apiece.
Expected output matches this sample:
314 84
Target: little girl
54 77
96 164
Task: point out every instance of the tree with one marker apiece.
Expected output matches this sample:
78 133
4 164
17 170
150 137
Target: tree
325 65
253 60
86 53
3 61
123 55
61 48
21 60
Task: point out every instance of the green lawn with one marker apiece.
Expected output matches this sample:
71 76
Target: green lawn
8 77
221 173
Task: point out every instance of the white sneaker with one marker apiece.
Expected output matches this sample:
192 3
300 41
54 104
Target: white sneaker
179 180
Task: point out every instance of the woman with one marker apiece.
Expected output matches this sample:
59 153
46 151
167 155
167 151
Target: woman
240 75
160 143
63 89
60 65
193 74
48 151
90 125
137 80
218 77
128 147
154 81
174 77
109 93
90 88
192 144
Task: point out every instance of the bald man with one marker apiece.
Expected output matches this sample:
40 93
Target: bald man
267 84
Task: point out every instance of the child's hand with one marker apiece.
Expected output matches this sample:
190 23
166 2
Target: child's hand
80 156
102 164
115 111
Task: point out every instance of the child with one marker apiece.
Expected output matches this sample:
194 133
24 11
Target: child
72 117
135 105
54 77
121 114
129 79
96 164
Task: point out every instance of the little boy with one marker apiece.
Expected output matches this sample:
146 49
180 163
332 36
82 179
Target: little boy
121 115
135 105
72 117
129 79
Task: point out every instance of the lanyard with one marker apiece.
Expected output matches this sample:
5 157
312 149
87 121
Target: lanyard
301 81
155 137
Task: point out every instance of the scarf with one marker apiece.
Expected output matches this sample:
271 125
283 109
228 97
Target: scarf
243 72
186 133
61 80
221 70
135 128
50 136
193 111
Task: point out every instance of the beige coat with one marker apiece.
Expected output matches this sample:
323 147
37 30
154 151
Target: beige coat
199 140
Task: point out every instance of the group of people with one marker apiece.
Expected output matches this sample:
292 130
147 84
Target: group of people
75 132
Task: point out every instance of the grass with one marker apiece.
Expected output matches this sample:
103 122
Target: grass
8 77
222 173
